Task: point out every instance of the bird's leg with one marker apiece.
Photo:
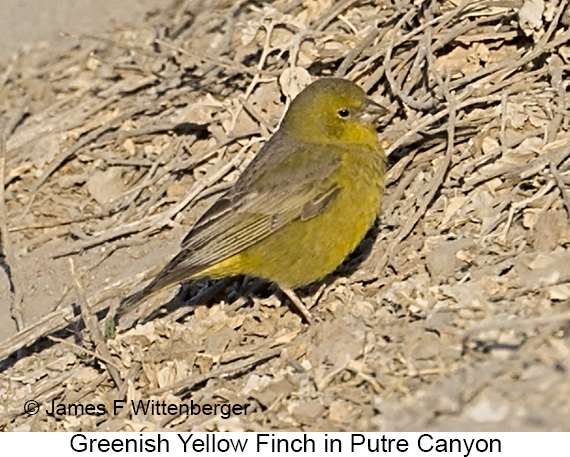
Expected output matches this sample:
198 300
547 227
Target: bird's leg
298 304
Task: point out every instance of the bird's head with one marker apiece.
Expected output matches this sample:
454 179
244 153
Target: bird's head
333 110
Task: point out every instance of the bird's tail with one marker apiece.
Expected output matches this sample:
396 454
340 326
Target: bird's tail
130 301
175 272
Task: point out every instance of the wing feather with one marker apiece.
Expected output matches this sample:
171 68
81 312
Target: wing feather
285 182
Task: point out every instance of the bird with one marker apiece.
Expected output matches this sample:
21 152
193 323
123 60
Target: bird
300 207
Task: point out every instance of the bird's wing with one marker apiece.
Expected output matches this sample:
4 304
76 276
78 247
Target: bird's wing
244 224
274 193
281 185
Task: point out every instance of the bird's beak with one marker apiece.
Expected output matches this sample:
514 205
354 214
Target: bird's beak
372 111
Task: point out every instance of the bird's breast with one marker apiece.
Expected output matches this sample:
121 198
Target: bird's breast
305 251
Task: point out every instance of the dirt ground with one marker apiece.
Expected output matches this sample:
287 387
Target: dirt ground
26 24
454 312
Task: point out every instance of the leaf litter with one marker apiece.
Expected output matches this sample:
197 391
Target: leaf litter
452 315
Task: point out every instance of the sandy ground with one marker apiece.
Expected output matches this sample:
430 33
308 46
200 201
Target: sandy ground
30 26
453 313
30 23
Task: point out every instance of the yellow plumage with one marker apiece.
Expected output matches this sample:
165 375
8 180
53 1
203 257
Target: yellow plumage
302 205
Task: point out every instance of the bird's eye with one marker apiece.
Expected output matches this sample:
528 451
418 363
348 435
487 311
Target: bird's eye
343 113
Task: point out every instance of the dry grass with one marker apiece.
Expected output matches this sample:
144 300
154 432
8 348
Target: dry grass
453 316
